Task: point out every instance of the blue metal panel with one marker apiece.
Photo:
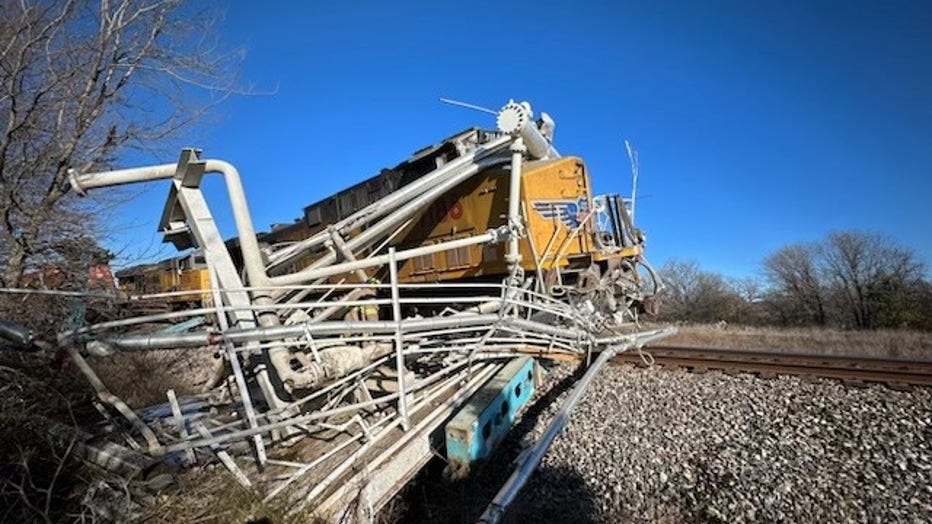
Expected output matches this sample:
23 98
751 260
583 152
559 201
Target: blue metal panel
482 424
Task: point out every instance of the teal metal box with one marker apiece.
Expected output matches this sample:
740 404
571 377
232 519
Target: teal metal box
482 424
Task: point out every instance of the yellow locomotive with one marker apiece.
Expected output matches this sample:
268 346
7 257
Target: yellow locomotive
559 213
570 233
173 278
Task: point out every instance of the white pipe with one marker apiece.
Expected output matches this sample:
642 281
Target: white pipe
398 198
341 248
347 267
517 119
399 342
82 182
200 339
279 357
249 244
513 257
375 231
252 259
411 209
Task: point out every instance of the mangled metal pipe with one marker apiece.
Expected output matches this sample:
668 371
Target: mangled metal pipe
322 271
187 175
21 336
514 119
380 229
326 368
252 258
239 336
444 177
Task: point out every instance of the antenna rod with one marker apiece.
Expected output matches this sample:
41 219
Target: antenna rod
633 158
468 106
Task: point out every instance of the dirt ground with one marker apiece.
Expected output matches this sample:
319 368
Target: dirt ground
913 345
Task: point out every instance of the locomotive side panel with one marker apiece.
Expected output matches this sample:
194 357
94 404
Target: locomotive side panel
556 198
555 194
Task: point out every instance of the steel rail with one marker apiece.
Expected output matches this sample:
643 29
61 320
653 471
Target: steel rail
849 368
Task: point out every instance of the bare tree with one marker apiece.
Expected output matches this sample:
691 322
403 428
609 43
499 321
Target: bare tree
81 82
748 296
922 313
695 295
793 274
871 275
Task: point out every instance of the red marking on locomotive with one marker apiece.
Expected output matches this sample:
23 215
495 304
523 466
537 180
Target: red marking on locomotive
456 210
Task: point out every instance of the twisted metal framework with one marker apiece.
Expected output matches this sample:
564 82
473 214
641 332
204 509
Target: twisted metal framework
338 410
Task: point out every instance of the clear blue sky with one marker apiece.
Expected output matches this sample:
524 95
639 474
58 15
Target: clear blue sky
758 123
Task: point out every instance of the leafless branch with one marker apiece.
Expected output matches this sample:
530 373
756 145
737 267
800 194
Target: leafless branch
81 83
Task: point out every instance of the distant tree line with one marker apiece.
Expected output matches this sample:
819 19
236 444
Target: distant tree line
849 279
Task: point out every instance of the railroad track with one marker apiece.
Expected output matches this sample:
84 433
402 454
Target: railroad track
896 373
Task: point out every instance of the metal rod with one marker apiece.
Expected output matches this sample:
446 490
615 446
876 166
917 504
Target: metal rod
55 292
179 421
532 247
467 106
419 191
513 257
399 344
245 398
225 458
312 272
346 253
335 304
301 419
210 338
107 397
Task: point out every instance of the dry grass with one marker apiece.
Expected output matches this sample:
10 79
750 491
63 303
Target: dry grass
913 345
142 378
212 496
37 473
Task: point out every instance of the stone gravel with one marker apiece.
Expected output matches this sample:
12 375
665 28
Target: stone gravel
654 445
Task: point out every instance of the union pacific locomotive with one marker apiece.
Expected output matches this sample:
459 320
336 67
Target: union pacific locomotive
571 234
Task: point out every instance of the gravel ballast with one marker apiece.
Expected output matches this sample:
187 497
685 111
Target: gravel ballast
649 445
